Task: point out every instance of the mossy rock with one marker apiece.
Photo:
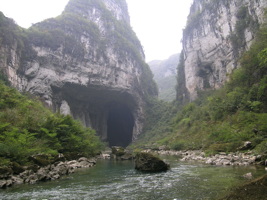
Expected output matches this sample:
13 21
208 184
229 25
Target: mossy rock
41 160
17 168
33 167
59 158
118 151
255 189
5 172
127 156
147 162
73 155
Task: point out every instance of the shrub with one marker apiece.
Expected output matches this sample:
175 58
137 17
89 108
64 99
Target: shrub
27 128
178 145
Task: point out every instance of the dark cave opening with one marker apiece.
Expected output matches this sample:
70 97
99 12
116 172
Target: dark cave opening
120 123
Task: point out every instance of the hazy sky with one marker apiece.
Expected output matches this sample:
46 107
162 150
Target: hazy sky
157 23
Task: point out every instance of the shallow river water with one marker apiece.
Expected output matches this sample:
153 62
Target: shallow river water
117 180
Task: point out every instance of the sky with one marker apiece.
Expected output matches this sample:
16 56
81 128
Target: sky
157 23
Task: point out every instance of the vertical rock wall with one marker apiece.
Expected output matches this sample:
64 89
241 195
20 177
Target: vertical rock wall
217 32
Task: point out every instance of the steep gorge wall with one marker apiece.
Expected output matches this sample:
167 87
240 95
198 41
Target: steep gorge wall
11 51
88 63
217 33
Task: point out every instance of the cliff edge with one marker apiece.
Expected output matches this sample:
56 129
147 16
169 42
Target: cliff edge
88 63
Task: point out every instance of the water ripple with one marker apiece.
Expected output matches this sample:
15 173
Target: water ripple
119 181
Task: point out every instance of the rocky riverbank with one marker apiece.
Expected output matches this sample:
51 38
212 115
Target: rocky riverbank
49 172
45 168
42 172
238 158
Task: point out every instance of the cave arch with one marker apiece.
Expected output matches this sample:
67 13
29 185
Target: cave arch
120 123
115 115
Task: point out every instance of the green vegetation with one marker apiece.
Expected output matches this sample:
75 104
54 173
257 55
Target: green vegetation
165 76
64 31
158 124
28 128
167 91
3 78
192 23
194 19
10 32
244 21
221 120
11 35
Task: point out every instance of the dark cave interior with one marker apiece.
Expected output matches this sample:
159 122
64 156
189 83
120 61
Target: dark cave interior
120 123
109 112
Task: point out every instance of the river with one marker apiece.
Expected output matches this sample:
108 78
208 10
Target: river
118 180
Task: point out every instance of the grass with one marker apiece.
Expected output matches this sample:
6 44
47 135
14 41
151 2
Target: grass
28 128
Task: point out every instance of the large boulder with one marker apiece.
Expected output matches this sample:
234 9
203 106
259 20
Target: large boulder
118 151
247 145
147 162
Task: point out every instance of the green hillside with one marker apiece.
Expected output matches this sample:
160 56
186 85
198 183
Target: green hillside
165 76
220 120
28 128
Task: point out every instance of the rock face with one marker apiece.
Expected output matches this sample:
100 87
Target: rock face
165 76
146 162
11 52
217 32
88 63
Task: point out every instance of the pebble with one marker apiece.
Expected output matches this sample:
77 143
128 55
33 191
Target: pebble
248 175
50 172
241 159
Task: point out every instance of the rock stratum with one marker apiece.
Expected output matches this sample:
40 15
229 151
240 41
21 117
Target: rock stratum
87 62
217 33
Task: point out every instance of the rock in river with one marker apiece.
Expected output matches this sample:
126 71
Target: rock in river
147 162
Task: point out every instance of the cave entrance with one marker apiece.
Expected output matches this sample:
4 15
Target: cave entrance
120 123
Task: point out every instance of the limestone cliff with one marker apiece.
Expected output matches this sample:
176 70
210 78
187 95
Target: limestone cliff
217 32
89 63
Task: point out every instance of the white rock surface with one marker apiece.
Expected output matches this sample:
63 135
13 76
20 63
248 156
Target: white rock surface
209 54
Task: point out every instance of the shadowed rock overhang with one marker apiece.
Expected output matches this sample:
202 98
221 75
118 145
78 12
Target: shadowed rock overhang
111 112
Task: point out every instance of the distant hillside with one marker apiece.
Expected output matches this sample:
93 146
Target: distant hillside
165 76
